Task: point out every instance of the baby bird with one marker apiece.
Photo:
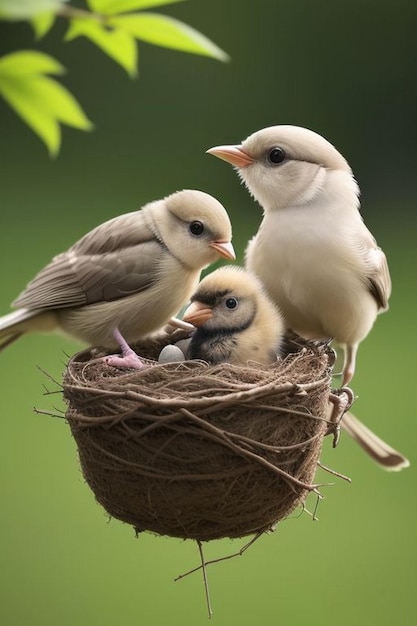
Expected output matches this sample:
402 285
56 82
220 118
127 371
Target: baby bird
236 322
126 278
318 261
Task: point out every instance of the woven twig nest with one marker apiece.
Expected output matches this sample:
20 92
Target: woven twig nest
197 451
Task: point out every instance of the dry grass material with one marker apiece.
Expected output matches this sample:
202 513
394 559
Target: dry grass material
197 451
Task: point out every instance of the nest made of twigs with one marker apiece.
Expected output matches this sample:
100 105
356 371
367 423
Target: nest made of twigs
197 451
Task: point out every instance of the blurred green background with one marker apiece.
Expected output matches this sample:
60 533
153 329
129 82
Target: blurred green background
344 69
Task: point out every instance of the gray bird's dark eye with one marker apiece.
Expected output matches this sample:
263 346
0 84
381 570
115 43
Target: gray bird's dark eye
196 228
231 303
276 155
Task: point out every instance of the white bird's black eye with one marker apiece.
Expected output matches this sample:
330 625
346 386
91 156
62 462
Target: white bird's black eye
277 155
231 303
197 228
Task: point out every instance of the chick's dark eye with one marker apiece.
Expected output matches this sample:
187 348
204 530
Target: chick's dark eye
197 228
276 155
231 303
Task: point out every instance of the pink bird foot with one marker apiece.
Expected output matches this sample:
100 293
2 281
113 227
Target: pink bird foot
129 358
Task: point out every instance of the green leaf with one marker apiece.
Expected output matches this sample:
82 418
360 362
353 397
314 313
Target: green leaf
112 7
29 62
21 95
40 101
168 32
26 9
60 103
42 23
116 43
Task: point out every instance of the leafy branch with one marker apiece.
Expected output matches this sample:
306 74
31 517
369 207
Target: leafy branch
114 26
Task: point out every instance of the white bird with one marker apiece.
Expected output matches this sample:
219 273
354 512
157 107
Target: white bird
236 321
318 261
126 278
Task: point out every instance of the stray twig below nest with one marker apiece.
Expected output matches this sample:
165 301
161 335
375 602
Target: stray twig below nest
204 564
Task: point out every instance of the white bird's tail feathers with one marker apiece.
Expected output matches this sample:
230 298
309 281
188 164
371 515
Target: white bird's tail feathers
386 457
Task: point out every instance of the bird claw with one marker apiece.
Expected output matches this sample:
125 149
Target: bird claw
129 358
127 361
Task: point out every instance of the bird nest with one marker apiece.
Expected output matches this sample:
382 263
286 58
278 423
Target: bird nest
197 451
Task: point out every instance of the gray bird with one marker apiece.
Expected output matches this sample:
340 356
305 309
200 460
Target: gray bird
318 261
236 322
126 278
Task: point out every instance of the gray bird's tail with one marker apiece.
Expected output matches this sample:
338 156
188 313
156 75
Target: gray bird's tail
388 458
13 325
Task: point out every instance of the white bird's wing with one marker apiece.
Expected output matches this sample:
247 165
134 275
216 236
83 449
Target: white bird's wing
117 259
380 280
376 269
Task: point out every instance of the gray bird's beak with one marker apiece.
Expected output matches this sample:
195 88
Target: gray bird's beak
224 248
232 154
197 314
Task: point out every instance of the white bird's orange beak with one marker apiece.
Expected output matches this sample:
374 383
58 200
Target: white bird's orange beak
197 314
232 154
224 248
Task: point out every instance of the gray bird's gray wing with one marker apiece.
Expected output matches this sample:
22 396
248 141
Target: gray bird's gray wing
117 259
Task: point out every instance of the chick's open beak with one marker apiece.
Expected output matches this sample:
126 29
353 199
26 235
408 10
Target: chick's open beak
232 154
224 248
197 314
